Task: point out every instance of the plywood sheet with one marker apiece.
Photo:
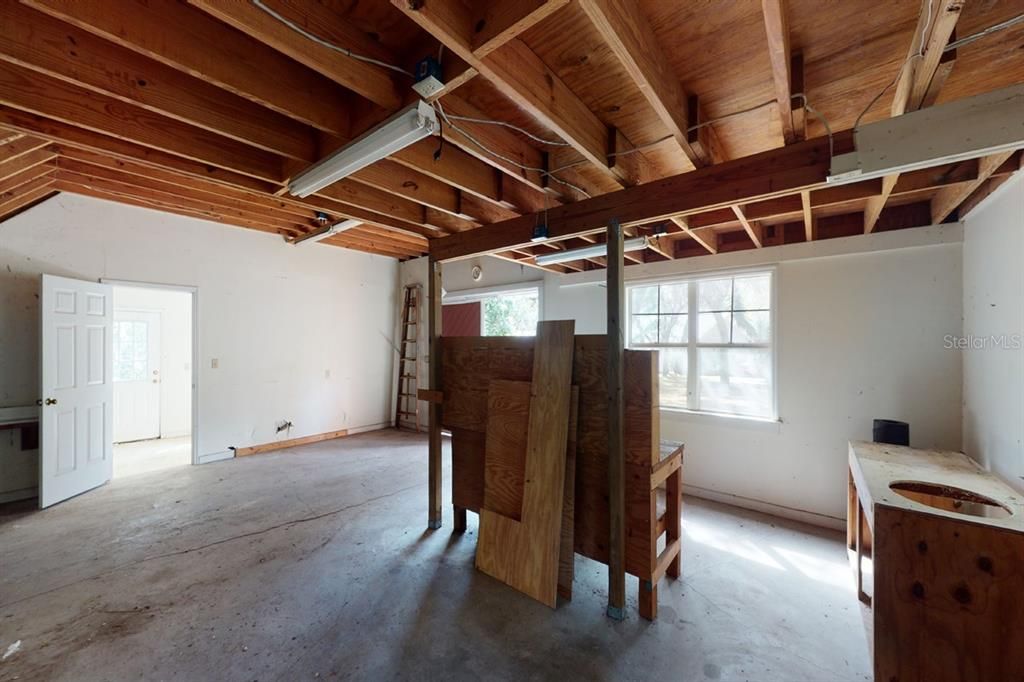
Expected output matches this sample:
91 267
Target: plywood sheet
467 469
525 554
508 415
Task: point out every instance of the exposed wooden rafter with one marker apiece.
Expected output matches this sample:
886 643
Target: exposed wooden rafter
931 35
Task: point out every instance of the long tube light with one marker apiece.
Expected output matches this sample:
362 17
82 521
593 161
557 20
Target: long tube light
635 244
325 232
407 127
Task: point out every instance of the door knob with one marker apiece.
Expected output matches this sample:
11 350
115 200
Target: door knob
51 401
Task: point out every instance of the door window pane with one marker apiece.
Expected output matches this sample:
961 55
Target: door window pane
131 350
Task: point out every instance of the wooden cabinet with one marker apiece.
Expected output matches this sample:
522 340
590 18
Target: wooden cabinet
946 539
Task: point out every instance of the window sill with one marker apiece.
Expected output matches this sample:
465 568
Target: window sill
739 421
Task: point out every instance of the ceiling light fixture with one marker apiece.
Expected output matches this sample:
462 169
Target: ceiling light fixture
325 232
635 244
407 127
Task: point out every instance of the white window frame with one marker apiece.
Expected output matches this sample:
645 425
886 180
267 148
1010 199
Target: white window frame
692 345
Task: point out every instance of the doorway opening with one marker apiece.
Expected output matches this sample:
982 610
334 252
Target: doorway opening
153 378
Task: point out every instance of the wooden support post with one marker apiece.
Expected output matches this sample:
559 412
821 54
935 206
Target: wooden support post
674 517
851 511
616 428
434 368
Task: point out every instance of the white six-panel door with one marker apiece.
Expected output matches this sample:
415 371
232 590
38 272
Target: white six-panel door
76 417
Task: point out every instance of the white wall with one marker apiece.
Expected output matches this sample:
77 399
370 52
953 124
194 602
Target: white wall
300 333
993 412
175 309
861 328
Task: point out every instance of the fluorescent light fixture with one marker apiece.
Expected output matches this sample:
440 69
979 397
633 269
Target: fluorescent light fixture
948 133
325 232
635 244
407 127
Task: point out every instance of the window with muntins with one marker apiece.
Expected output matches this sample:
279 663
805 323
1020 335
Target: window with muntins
715 337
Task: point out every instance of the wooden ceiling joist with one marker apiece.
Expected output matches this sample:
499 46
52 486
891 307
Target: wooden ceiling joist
191 41
948 198
520 75
931 35
24 177
22 162
777 30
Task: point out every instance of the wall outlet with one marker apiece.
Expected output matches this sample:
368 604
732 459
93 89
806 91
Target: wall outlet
214 363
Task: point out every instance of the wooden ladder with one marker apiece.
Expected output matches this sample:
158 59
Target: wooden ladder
407 406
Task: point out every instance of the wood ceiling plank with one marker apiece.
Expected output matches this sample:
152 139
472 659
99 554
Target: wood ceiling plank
9 197
191 41
17 203
25 161
500 21
376 83
36 41
22 144
73 136
38 94
948 198
370 198
26 176
134 185
392 177
777 30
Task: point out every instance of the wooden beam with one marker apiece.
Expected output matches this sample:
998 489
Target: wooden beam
948 198
25 176
46 96
375 83
774 173
22 162
35 41
405 182
73 136
915 77
519 74
805 203
19 146
26 200
616 426
751 227
627 32
434 473
191 41
777 30
17 197
683 223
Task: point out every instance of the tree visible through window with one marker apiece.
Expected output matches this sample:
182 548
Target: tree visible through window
514 314
715 341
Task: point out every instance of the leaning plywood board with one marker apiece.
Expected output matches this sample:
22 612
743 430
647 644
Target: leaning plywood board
525 554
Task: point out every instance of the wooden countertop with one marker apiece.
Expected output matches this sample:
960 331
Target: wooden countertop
876 465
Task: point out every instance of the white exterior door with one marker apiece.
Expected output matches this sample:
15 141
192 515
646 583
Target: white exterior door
76 443
136 375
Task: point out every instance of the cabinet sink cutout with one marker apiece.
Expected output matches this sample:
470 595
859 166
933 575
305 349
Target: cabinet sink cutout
950 498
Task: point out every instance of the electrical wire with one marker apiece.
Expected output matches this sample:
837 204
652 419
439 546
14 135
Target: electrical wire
320 41
967 40
527 133
918 55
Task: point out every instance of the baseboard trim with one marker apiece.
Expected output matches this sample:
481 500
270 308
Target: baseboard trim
812 518
305 440
216 456
15 495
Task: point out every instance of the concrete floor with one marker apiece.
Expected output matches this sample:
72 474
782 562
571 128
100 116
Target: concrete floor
314 563
147 456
